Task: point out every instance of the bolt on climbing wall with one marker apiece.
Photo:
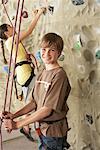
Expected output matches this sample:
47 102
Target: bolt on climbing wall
78 22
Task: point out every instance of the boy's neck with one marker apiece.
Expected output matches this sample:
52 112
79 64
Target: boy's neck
51 66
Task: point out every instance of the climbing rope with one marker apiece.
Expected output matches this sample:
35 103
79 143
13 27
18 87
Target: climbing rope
14 32
7 13
6 93
1 145
17 43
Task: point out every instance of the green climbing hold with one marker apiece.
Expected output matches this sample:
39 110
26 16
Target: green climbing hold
98 54
77 45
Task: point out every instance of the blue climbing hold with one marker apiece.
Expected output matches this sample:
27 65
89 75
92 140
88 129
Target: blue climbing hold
6 69
38 57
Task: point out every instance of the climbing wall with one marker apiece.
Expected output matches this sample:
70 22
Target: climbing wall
78 22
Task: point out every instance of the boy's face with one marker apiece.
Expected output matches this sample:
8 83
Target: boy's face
49 55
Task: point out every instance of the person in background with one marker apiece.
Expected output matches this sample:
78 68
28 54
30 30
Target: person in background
24 70
48 99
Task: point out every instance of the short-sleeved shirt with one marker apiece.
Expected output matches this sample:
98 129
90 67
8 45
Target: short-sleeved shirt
23 72
51 90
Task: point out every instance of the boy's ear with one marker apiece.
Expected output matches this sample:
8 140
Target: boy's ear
59 53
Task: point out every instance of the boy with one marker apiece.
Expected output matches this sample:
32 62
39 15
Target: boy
48 99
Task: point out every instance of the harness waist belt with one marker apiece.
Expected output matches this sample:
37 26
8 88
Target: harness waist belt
53 121
32 73
22 63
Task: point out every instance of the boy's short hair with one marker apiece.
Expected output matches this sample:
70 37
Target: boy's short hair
53 40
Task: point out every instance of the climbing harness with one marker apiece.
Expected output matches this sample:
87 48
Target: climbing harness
39 133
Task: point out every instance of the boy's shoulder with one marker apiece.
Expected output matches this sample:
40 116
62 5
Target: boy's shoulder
61 71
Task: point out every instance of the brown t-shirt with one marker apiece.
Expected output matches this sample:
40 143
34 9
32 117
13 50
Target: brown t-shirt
51 90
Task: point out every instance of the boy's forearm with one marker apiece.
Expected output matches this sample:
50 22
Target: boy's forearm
28 108
36 116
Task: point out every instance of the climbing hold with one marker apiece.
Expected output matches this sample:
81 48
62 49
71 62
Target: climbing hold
51 9
91 44
77 42
89 119
25 14
62 57
6 69
13 17
97 54
77 45
38 57
92 77
78 2
88 55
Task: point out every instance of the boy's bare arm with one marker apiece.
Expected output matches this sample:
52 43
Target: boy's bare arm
28 108
36 116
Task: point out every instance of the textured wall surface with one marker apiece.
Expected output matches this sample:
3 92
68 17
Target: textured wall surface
79 25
